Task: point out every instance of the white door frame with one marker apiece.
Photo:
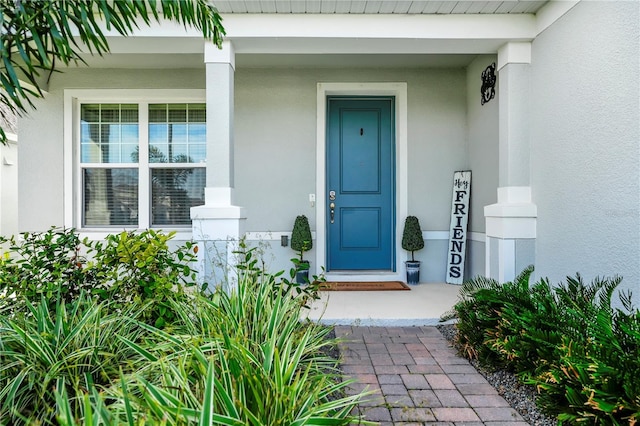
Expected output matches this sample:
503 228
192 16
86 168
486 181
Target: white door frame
399 91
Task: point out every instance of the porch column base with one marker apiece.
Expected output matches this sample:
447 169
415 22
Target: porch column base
510 233
217 228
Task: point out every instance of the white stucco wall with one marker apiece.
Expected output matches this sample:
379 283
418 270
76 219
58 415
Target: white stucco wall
437 148
585 158
275 147
482 126
40 175
275 140
482 146
9 186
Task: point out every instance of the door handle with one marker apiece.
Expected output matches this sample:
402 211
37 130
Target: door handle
332 208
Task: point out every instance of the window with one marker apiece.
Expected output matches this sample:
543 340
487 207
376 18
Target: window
141 164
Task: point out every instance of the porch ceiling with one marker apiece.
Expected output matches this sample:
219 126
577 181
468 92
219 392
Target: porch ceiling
378 6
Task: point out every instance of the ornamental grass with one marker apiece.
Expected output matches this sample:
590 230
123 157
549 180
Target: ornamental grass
242 357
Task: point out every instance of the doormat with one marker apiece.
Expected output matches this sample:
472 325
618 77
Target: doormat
364 286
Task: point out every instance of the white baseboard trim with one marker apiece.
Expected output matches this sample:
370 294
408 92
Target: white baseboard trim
427 235
270 235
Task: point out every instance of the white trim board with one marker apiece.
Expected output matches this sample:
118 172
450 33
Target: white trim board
444 235
102 235
427 235
270 235
551 12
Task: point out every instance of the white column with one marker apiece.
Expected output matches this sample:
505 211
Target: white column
510 230
511 222
218 225
513 98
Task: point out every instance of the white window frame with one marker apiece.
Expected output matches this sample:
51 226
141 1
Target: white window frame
73 99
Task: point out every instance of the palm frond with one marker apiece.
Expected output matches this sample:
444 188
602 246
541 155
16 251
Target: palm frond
44 33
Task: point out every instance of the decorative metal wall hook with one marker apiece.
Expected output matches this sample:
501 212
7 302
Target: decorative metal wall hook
488 89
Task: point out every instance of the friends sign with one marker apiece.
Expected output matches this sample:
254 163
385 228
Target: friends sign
458 228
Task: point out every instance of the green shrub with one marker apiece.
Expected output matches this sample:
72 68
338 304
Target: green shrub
594 380
140 267
125 267
583 356
527 332
47 264
481 302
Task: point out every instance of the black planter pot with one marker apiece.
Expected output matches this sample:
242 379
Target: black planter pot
302 272
413 271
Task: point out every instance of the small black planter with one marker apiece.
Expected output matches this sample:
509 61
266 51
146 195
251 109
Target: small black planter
413 271
302 272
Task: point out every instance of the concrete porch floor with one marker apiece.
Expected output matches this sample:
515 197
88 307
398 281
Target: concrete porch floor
422 305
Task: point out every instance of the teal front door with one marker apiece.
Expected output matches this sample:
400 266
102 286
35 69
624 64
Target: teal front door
360 184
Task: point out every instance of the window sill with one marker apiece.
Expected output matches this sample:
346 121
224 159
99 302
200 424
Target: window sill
182 234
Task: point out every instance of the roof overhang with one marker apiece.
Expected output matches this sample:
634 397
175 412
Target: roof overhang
333 39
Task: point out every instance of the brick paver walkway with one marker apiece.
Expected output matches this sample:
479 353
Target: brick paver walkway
418 379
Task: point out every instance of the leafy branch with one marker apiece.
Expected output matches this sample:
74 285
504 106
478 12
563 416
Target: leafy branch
38 34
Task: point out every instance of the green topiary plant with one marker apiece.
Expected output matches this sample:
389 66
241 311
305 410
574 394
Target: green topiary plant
301 240
412 236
